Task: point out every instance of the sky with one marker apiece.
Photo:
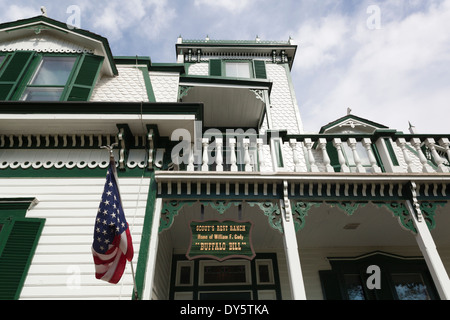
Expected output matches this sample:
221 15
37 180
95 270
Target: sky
386 60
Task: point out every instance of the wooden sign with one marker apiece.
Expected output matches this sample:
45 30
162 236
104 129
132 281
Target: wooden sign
221 240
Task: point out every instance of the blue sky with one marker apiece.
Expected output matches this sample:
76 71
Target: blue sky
389 61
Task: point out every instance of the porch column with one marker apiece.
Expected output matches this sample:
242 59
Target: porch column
152 252
430 253
291 249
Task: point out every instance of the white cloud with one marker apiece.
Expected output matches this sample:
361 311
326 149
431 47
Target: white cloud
235 6
321 41
392 75
140 17
16 12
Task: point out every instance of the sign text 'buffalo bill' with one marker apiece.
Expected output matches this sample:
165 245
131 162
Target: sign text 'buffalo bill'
221 240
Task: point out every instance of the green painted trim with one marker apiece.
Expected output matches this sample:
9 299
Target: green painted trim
20 238
69 173
14 207
220 80
148 85
391 152
88 107
145 238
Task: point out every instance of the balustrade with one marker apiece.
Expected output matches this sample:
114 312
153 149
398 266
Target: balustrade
346 153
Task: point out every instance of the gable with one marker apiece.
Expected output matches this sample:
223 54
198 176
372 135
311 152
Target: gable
43 34
351 124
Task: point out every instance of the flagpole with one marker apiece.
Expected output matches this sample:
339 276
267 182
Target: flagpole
111 159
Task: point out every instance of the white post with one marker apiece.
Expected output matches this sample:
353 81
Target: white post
351 142
401 142
293 144
431 255
326 157
291 249
437 158
312 161
219 156
233 160
426 168
248 166
367 143
337 142
152 251
260 145
205 158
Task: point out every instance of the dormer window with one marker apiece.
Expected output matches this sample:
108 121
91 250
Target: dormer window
34 76
49 80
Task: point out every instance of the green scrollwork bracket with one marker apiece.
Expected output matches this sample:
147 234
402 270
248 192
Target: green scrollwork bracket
171 209
400 211
272 211
348 207
428 210
300 210
220 206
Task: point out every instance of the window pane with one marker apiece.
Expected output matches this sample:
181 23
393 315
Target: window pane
410 286
42 94
185 275
354 287
225 274
53 71
264 273
237 69
1 59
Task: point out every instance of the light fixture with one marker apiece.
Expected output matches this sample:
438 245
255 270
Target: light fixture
351 226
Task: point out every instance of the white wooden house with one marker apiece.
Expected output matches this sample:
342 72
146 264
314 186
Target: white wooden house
355 211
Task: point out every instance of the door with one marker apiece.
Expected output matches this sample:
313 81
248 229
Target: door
233 279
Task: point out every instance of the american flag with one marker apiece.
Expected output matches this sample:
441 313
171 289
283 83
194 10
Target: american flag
112 245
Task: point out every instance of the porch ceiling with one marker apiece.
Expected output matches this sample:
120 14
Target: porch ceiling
325 226
264 237
228 107
370 225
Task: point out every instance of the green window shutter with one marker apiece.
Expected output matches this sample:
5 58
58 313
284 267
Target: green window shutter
13 72
16 255
85 78
260 69
330 285
215 67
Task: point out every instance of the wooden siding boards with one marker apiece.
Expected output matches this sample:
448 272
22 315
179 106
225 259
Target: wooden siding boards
62 266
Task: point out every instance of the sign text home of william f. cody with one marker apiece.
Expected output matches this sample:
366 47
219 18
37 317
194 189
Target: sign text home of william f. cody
221 240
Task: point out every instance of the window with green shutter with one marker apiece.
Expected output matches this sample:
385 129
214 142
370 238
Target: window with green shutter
245 69
13 71
18 240
32 76
83 82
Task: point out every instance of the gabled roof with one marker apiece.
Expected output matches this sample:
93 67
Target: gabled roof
42 25
353 123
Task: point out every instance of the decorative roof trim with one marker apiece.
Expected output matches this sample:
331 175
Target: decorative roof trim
54 25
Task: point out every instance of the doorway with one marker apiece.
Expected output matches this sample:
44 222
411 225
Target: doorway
233 279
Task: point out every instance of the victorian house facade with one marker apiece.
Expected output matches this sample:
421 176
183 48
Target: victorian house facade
225 194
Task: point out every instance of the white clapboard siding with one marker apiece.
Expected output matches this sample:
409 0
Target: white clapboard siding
63 267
